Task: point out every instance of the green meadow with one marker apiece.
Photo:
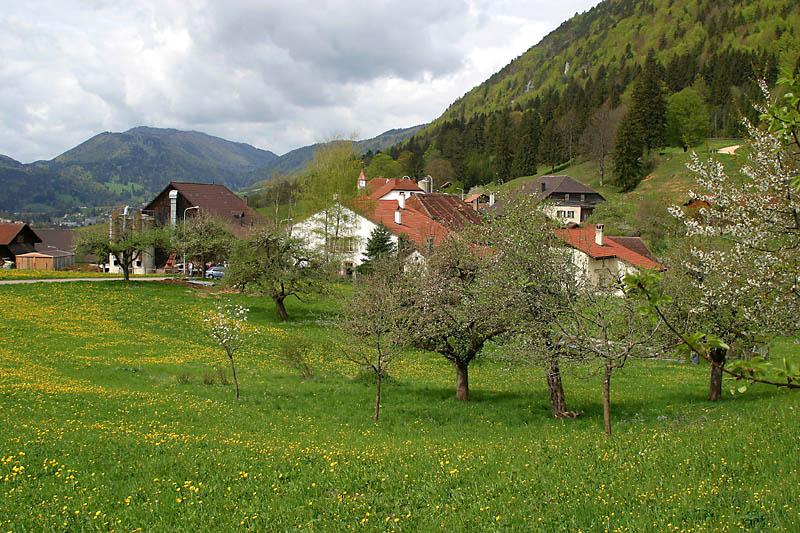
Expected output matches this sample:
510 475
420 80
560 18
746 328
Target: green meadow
116 413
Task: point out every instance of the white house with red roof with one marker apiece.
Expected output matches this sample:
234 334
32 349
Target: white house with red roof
399 204
603 259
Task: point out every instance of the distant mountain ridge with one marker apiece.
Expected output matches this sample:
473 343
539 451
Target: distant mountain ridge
295 160
128 167
132 166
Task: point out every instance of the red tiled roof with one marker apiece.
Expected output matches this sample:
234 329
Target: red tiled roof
475 196
379 187
10 230
446 209
583 238
417 226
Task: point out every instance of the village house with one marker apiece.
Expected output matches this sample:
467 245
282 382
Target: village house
401 205
569 201
180 200
604 260
16 238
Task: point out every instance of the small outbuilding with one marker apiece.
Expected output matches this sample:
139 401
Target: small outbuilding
49 260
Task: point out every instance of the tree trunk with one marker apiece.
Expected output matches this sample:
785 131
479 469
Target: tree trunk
126 272
607 400
462 381
377 398
557 401
235 381
282 314
715 383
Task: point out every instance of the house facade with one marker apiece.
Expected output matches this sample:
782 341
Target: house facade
601 260
399 204
16 238
181 200
568 200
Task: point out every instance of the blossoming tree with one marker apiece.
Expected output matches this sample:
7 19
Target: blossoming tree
228 327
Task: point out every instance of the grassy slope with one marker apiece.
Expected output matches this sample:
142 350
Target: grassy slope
107 424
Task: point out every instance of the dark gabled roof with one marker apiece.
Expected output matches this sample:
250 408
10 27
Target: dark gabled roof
60 239
446 209
215 199
557 184
10 230
552 184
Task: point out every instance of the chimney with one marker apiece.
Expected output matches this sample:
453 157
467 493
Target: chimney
491 199
362 180
398 217
598 234
173 207
401 202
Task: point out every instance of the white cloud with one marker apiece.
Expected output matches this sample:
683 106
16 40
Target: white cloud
277 75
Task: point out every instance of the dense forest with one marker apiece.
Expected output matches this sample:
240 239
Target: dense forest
567 95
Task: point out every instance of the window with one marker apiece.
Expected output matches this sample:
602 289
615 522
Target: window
566 197
138 262
570 214
583 197
342 244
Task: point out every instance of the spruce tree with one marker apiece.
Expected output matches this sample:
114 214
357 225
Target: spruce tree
648 104
379 245
628 149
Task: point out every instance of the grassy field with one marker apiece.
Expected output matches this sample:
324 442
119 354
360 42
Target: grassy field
113 418
13 273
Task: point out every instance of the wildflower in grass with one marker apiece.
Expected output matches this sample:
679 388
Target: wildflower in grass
228 326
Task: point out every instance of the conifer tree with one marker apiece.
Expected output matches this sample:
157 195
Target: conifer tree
628 149
648 104
379 245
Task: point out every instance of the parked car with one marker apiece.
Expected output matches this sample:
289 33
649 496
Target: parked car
7 263
215 272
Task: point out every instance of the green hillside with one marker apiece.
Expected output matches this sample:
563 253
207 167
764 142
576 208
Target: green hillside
129 167
551 105
616 35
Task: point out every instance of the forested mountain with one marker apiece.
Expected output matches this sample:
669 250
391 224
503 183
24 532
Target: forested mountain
294 161
125 167
570 91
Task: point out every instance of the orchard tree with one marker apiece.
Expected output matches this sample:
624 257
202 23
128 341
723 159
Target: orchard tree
531 273
375 316
228 327
745 253
204 239
454 311
128 240
604 329
272 263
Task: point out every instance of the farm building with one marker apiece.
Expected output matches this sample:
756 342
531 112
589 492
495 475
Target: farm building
46 260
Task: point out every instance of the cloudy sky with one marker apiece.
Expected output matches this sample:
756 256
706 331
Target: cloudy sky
275 74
